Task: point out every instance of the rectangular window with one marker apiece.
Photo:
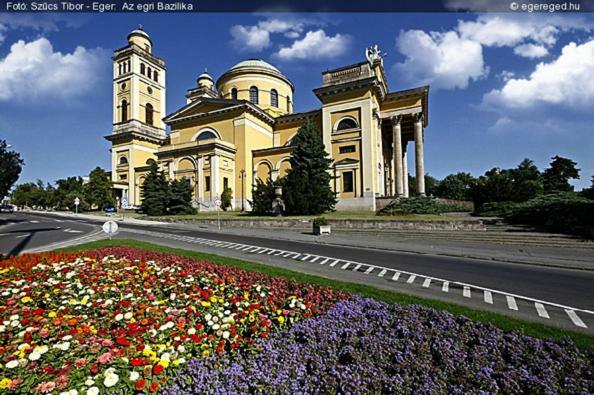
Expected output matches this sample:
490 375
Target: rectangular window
345 149
225 183
207 183
347 181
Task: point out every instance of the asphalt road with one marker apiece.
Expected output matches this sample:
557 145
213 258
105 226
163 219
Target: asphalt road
543 294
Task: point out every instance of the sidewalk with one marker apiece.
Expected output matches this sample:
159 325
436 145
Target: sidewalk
524 248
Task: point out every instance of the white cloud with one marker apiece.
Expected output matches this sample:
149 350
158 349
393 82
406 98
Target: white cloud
531 51
506 75
499 31
47 23
257 37
567 81
32 70
444 60
315 45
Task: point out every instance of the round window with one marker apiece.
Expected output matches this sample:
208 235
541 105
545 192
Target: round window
123 85
149 90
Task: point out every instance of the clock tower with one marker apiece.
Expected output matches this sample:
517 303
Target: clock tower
138 110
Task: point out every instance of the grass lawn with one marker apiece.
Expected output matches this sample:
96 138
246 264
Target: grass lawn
581 340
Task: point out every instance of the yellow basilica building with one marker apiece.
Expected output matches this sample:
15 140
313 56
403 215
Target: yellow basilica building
240 128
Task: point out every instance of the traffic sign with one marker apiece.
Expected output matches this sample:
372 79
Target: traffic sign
110 227
76 201
124 202
217 202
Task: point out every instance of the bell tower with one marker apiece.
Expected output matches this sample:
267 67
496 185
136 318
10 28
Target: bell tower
139 88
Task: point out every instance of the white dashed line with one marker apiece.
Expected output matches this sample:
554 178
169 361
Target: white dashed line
411 279
315 259
343 267
445 287
334 263
540 309
369 270
511 302
396 276
488 297
324 261
426 283
305 257
466 291
382 273
577 321
356 268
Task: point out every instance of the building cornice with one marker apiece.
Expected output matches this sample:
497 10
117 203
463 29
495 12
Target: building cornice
135 49
197 148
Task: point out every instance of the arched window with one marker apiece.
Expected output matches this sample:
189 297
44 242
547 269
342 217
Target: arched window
123 160
234 93
120 69
206 135
150 162
148 108
346 124
128 68
142 68
288 103
274 98
156 76
149 73
124 110
254 95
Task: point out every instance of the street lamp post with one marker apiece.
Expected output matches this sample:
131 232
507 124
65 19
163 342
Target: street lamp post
242 176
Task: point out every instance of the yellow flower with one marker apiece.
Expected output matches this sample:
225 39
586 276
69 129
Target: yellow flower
205 353
176 362
4 383
2 272
204 303
281 319
164 363
26 299
213 299
52 314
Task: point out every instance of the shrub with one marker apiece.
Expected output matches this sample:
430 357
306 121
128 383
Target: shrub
320 221
226 197
418 205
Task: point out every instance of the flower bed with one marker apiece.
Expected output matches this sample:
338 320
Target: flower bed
120 319
364 346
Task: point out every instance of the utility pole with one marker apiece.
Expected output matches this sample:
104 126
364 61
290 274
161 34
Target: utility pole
242 176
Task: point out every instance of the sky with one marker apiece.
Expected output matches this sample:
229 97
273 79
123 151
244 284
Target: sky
504 87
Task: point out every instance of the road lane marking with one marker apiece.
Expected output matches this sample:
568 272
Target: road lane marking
411 279
34 222
445 287
488 297
396 276
382 273
324 261
21 236
511 302
466 291
305 257
315 259
334 263
369 270
577 321
426 283
345 265
540 309
356 268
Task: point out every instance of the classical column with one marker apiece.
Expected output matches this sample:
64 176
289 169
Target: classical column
200 179
419 158
397 148
405 169
214 168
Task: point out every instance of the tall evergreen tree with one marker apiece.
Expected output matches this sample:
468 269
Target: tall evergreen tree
527 181
155 192
98 189
556 177
180 200
262 196
306 187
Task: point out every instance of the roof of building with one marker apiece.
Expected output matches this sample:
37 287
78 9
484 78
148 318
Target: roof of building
254 66
255 63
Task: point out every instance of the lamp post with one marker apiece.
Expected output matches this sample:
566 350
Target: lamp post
242 176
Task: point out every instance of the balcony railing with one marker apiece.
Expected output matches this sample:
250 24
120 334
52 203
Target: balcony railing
137 126
349 74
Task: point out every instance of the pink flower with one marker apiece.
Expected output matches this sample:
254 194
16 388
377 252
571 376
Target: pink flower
104 358
45 387
80 363
44 332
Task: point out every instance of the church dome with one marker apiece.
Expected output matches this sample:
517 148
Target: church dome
255 63
140 38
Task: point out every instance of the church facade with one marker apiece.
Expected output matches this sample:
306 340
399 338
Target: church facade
240 128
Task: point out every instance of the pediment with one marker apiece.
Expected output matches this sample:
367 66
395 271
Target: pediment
201 106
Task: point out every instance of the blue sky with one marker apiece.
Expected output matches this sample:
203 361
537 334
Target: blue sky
503 86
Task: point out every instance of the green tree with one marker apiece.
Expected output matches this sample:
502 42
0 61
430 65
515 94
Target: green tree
226 197
68 189
180 200
11 166
155 192
456 186
527 181
306 187
495 186
431 185
22 195
98 189
589 192
556 177
33 194
262 196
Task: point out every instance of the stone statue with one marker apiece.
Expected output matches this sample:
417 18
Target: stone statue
374 55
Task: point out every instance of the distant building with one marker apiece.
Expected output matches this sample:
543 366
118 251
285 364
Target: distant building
240 128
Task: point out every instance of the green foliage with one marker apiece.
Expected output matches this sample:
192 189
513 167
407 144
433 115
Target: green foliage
561 212
556 177
155 192
32 195
263 195
418 205
11 166
431 185
320 221
226 197
180 199
306 187
589 192
98 189
456 186
67 190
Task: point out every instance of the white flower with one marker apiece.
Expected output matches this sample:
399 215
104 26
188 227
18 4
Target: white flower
215 327
207 317
134 376
62 346
191 331
111 380
67 337
14 317
12 364
181 348
93 391
34 356
89 382
128 315
172 296
119 317
226 335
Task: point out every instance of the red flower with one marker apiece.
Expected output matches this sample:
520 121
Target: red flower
140 384
154 386
157 369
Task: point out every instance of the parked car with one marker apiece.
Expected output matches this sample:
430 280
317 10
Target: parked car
110 209
6 208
